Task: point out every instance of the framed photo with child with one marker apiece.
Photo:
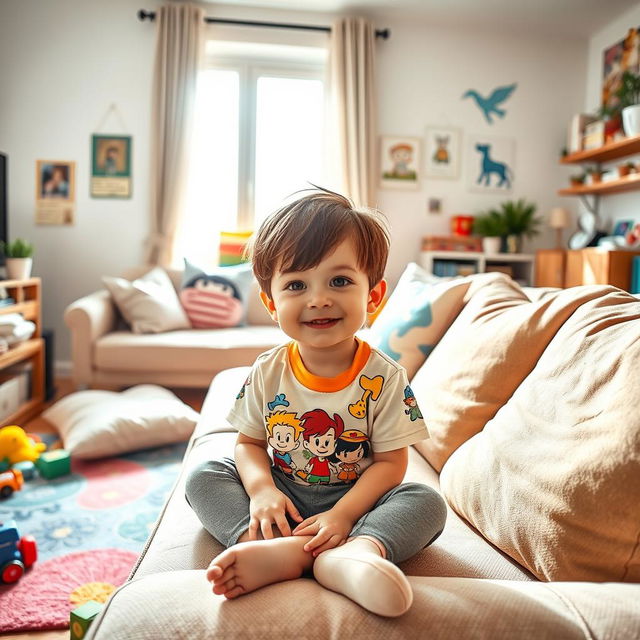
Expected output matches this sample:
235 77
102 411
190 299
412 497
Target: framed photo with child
399 162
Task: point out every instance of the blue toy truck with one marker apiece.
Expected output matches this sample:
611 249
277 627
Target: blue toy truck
16 554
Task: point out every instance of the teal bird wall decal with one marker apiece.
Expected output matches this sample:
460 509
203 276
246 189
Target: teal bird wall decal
490 105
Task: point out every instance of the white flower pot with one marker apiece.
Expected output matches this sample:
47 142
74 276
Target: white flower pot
631 120
491 244
18 268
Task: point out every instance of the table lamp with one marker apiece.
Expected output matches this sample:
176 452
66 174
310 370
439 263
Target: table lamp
558 220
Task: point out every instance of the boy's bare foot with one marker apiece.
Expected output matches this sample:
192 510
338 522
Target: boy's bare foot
358 570
247 566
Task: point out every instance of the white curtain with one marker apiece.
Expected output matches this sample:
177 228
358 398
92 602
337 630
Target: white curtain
179 53
353 106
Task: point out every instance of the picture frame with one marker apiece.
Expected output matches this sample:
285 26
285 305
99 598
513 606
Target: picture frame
110 166
442 152
622 227
490 164
399 162
55 192
622 56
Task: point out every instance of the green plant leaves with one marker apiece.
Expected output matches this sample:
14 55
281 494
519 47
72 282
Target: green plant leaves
19 248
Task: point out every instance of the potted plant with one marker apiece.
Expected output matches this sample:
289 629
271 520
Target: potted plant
17 258
626 168
629 102
520 220
491 226
595 174
577 179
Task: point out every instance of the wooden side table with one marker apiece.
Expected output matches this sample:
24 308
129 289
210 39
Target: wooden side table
550 268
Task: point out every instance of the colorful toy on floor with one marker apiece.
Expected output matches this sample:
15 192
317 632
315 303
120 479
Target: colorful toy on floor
16 445
82 617
27 468
16 554
53 464
10 481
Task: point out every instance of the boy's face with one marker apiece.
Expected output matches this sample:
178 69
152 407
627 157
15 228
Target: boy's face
326 305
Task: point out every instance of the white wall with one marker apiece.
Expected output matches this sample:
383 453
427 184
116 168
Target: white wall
63 63
624 205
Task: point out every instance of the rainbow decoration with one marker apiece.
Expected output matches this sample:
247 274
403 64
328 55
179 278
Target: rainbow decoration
232 245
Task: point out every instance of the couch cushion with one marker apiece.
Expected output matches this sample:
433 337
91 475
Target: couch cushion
190 350
180 542
488 351
554 478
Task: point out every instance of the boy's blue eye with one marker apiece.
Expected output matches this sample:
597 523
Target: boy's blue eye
296 285
340 281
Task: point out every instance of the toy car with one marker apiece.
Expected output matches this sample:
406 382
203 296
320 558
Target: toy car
10 481
16 554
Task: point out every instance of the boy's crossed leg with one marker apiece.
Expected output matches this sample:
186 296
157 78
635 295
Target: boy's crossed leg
356 569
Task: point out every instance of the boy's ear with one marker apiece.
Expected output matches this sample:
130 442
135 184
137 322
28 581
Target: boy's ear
269 306
376 296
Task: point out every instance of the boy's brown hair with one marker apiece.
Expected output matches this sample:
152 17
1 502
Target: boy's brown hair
299 235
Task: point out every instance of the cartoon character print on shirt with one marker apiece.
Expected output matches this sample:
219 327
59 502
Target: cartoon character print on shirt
319 440
410 400
372 388
283 436
351 447
241 392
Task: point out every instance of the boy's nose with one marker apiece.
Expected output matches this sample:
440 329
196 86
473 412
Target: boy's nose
319 299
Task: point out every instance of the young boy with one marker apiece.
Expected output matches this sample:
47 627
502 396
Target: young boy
348 519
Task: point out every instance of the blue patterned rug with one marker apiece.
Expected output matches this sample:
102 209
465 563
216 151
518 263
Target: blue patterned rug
109 503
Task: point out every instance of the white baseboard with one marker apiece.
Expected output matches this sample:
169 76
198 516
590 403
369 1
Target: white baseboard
62 369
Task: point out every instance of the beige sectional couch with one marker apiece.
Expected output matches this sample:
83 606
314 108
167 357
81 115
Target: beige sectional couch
543 523
106 353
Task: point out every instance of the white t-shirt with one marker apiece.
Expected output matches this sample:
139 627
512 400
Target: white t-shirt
324 430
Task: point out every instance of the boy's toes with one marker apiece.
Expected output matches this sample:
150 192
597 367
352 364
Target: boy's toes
224 587
214 572
233 593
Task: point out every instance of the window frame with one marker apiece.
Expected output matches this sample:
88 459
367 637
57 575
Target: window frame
250 68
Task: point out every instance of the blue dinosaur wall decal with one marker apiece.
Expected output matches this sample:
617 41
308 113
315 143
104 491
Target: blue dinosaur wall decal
490 105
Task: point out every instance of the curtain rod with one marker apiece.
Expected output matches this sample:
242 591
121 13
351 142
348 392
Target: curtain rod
151 15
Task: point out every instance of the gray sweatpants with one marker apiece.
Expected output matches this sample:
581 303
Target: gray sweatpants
406 519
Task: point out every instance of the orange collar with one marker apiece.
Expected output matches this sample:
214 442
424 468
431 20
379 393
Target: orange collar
328 385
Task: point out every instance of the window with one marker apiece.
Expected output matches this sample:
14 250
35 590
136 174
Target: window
258 138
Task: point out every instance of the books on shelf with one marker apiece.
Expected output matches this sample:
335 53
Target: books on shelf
593 137
452 268
576 131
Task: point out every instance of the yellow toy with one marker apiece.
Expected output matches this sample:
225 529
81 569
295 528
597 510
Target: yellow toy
17 446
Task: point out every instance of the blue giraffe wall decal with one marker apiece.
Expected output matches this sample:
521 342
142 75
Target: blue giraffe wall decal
489 166
490 105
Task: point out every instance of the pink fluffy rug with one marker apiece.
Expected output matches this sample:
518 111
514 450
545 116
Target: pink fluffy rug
48 592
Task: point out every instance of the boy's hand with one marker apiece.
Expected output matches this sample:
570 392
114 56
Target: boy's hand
268 507
329 528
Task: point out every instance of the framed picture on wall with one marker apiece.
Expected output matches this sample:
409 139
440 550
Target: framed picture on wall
490 164
110 166
399 162
442 152
55 192
618 58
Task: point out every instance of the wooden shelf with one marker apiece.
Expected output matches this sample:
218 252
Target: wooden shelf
26 293
628 183
606 153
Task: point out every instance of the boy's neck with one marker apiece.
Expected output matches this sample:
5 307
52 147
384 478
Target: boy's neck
328 362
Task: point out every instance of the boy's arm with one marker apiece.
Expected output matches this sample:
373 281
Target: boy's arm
331 528
268 505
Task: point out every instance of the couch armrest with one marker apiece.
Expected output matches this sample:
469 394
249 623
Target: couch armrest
88 318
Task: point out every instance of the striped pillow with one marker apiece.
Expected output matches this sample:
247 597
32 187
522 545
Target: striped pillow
217 299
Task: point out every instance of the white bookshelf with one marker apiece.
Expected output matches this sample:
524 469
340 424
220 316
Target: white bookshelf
522 264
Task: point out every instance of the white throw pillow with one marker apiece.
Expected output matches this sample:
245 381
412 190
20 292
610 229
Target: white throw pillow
95 424
149 304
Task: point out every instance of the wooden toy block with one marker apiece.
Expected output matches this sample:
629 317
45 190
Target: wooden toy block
52 464
27 467
81 618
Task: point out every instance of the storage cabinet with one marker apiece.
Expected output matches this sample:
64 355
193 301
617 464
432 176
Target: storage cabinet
550 268
594 265
26 294
518 265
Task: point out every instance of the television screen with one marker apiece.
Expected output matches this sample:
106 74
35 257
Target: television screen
4 200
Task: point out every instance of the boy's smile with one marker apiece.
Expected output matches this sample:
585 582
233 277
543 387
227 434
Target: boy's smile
322 308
